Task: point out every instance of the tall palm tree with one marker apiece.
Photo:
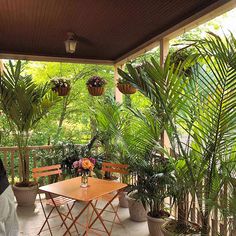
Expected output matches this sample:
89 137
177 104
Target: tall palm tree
24 104
204 106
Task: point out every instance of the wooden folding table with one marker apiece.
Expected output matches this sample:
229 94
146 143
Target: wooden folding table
97 188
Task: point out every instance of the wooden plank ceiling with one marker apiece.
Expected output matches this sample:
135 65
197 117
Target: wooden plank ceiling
107 29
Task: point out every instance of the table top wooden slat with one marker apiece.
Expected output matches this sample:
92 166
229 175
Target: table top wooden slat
71 188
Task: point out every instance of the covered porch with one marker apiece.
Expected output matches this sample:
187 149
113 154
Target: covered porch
110 33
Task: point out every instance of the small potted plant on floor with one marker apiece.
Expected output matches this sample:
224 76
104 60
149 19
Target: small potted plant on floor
158 184
136 197
125 87
96 85
61 86
123 202
136 203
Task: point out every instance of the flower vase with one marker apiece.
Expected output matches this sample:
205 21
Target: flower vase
84 180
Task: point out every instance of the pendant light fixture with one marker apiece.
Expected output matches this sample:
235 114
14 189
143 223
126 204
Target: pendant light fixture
71 42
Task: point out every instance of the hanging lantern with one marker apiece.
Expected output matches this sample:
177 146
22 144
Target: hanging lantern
71 43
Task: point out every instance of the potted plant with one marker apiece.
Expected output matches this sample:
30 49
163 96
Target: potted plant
203 104
137 203
137 211
61 86
141 138
24 104
123 201
95 85
180 192
159 183
125 87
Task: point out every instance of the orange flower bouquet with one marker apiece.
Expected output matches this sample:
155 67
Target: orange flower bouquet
84 166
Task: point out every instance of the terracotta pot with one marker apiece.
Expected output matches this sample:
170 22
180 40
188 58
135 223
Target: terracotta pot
25 196
136 209
123 202
154 225
96 91
126 88
166 232
63 91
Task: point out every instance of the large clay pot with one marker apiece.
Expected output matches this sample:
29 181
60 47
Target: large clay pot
25 196
126 88
166 232
96 91
123 202
136 209
154 225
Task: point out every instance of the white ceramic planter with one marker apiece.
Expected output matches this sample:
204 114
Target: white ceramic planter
154 226
123 202
136 210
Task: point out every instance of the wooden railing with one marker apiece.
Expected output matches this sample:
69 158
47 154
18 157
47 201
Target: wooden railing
35 154
11 159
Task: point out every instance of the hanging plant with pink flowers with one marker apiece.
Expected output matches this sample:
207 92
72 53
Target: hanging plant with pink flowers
96 85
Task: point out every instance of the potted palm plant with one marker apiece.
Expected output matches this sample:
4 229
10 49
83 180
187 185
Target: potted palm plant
142 139
95 85
125 87
24 104
137 211
203 105
158 184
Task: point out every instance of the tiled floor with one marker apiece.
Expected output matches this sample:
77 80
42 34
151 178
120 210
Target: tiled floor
31 219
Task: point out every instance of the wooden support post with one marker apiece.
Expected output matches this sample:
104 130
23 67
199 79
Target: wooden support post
1 66
118 94
164 49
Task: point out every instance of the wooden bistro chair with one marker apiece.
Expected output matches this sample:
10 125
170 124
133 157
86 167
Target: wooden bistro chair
119 170
47 171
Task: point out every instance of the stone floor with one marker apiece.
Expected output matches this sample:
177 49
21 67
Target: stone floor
32 218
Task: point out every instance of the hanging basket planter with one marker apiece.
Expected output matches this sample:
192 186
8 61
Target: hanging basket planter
96 91
96 85
61 86
63 91
126 88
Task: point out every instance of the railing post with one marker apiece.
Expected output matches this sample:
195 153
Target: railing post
118 94
12 167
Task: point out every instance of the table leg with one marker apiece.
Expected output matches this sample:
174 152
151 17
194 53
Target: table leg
76 218
46 216
59 213
98 214
69 213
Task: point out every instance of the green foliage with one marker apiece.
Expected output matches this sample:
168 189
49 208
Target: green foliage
203 105
24 103
70 119
110 121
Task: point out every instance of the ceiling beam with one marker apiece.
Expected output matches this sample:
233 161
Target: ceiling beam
194 21
53 59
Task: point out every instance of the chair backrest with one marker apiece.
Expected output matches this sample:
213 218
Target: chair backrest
115 168
47 171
